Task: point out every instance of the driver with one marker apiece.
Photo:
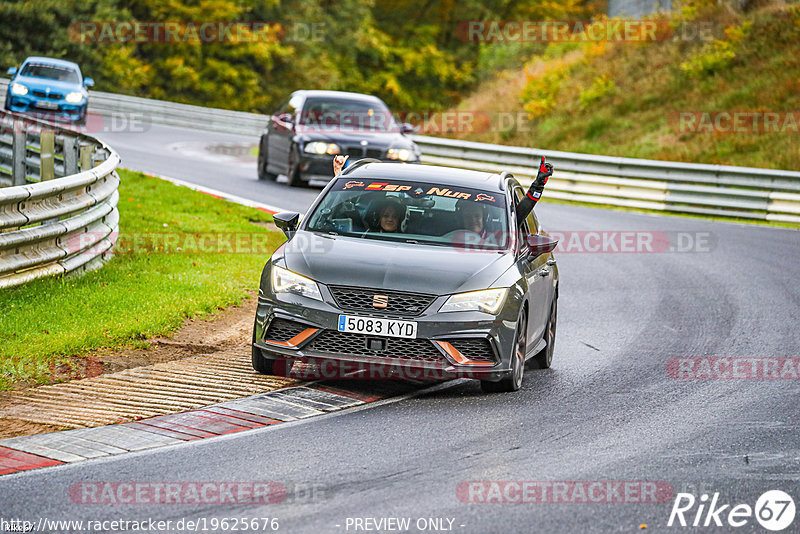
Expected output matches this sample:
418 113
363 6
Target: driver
390 216
472 215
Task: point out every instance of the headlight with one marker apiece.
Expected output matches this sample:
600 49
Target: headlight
403 154
75 97
285 281
18 89
319 147
487 300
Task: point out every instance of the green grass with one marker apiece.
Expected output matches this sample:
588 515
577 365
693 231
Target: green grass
142 292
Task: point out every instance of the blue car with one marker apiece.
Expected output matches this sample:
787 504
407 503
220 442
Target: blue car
49 87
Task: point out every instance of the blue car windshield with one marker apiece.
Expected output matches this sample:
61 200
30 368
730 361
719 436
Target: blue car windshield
51 72
416 212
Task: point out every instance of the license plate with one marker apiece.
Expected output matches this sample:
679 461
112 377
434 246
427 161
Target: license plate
377 327
46 105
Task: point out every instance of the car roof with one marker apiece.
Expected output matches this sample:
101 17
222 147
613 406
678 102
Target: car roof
433 174
342 95
52 61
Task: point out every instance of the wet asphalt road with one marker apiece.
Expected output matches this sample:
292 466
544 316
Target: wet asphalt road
608 409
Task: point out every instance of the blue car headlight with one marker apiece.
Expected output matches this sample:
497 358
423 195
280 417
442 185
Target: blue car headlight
18 89
75 97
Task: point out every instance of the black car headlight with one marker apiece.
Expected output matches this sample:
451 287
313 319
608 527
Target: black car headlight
401 154
285 281
486 300
321 147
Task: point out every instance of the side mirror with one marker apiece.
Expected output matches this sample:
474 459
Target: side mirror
287 221
88 82
540 244
286 117
11 71
408 128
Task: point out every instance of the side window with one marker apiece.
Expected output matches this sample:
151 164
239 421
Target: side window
294 105
531 223
522 229
284 105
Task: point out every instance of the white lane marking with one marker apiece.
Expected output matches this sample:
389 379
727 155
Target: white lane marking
225 437
217 193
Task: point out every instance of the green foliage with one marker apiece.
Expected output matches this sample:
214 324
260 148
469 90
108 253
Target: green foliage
143 291
638 116
409 55
716 55
601 87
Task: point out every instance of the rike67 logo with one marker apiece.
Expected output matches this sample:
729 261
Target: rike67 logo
774 510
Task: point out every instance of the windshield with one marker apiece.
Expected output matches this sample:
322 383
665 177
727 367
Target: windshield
348 115
51 72
415 212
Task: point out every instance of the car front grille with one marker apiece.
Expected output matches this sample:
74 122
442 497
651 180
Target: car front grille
357 152
348 344
283 330
399 303
51 96
476 349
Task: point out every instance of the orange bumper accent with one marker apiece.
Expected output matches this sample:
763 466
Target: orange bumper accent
296 340
457 356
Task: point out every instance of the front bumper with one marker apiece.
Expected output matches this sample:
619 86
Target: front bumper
438 352
58 109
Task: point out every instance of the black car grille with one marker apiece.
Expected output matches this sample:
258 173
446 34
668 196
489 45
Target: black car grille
51 96
346 344
283 330
399 303
357 152
477 349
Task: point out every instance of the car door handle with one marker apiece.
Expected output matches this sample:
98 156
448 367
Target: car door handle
551 261
544 272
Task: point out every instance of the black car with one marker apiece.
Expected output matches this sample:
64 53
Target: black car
455 286
311 127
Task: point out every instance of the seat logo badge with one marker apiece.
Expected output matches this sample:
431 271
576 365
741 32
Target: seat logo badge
380 301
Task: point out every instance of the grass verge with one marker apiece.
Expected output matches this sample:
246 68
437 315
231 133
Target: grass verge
180 254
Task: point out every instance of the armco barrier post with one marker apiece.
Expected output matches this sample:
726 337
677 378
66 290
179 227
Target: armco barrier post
70 156
19 152
47 155
86 156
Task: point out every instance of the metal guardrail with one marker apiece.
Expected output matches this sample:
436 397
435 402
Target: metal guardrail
58 206
146 111
699 189
715 190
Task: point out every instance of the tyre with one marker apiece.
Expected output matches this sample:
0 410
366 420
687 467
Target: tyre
514 380
544 358
268 366
263 158
293 172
